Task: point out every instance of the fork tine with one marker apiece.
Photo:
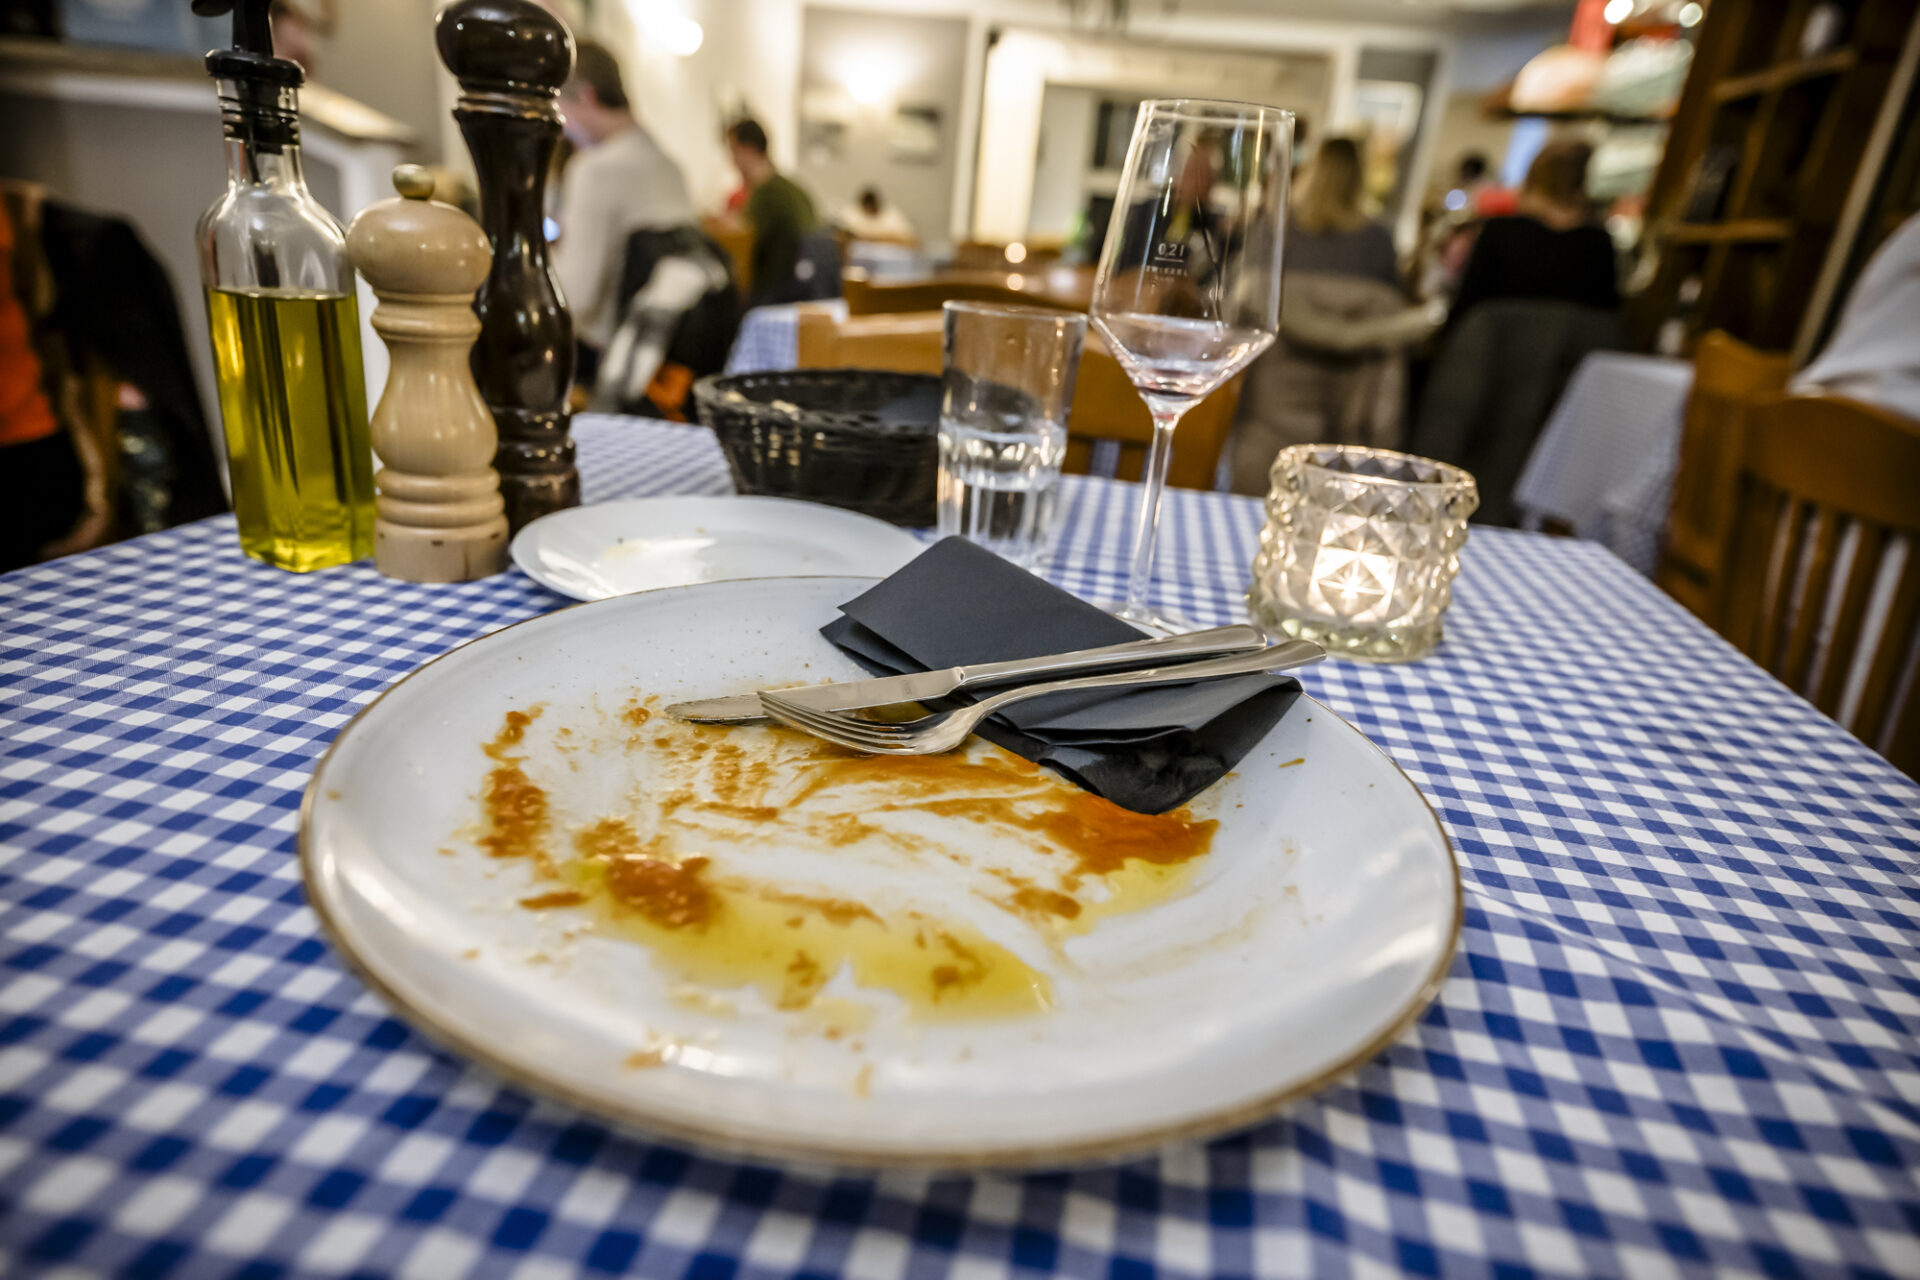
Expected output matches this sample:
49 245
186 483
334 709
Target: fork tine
842 723
793 719
833 728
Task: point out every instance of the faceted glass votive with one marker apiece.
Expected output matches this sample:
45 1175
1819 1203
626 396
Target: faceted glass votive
1360 549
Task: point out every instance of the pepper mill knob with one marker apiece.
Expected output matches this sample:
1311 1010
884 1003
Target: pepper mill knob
438 516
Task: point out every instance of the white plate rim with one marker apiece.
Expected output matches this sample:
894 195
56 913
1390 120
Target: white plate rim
648 1122
527 564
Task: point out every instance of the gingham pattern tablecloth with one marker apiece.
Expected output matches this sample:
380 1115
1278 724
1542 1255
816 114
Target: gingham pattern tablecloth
769 338
1682 1032
1604 462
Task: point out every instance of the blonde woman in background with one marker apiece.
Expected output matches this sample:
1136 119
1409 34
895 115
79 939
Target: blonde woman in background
1338 372
1329 232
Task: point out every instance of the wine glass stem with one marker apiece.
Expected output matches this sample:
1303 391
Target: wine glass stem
1166 416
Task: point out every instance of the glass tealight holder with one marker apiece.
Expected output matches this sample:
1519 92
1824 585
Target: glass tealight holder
1360 549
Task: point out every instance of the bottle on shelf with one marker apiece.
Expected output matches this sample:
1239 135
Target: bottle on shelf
286 328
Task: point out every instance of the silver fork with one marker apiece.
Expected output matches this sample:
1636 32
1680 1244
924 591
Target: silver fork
945 730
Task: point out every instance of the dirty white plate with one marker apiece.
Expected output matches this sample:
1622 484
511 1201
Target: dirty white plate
640 544
1314 932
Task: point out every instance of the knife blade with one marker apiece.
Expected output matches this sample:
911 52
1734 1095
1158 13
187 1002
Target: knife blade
920 686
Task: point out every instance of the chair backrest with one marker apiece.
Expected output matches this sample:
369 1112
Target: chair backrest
1821 585
867 297
737 240
1729 378
989 255
1106 407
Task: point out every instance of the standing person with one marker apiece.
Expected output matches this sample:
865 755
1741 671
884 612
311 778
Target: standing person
1330 233
1552 248
778 211
619 182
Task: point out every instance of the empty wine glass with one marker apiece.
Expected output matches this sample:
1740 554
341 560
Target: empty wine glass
1188 290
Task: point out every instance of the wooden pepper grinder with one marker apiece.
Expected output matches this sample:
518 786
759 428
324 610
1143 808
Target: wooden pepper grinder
438 516
511 57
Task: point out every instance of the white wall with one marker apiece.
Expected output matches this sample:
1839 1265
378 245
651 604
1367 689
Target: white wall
752 54
1067 114
856 69
1025 64
748 61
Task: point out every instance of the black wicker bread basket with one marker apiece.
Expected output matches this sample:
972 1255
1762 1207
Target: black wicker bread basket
863 439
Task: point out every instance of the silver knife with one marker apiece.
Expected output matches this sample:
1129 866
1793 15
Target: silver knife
887 690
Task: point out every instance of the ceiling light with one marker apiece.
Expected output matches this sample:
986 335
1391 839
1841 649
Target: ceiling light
681 36
1690 14
1617 11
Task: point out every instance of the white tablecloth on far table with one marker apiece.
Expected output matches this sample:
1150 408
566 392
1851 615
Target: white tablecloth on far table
1604 463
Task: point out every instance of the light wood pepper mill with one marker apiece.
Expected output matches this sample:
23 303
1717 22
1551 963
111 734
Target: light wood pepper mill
439 515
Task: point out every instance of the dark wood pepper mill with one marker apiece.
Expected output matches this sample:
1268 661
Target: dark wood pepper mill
511 57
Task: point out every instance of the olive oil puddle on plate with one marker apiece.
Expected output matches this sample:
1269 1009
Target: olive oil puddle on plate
671 864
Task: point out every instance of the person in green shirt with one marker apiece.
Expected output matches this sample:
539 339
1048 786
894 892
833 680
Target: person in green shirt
778 210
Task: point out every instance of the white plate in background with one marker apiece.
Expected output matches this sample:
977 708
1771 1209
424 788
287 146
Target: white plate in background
640 544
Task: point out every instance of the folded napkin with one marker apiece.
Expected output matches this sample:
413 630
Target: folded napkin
1144 749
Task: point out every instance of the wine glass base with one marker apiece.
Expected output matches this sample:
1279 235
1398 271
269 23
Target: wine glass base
1153 621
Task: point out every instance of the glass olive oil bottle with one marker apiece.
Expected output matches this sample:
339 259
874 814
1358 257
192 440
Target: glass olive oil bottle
285 325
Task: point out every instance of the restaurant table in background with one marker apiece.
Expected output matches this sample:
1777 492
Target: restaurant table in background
1682 1032
769 337
1604 462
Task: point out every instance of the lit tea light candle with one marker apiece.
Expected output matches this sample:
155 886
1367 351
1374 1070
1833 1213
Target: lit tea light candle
1360 549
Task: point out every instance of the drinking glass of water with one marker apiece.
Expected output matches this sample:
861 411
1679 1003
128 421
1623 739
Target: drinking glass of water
1003 424
1188 290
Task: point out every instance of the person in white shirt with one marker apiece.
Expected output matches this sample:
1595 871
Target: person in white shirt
872 217
619 183
1874 354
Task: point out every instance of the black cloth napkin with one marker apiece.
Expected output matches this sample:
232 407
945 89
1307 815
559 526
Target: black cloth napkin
1148 749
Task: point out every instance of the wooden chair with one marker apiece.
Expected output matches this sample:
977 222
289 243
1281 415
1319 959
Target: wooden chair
1729 378
1826 489
737 240
1105 405
990 255
867 297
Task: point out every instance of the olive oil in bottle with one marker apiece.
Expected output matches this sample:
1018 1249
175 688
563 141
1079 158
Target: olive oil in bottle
286 331
294 408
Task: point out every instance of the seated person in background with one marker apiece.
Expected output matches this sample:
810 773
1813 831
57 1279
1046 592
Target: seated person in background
779 212
1874 354
618 183
1552 248
1469 180
870 217
1329 233
41 481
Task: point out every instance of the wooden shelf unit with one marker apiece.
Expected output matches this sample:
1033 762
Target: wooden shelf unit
1832 62
1766 146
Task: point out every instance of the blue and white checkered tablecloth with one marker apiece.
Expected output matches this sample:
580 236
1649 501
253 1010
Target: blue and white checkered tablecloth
1605 460
1682 1033
769 338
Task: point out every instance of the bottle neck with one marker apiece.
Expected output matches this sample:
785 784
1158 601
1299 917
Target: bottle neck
249 166
261 123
